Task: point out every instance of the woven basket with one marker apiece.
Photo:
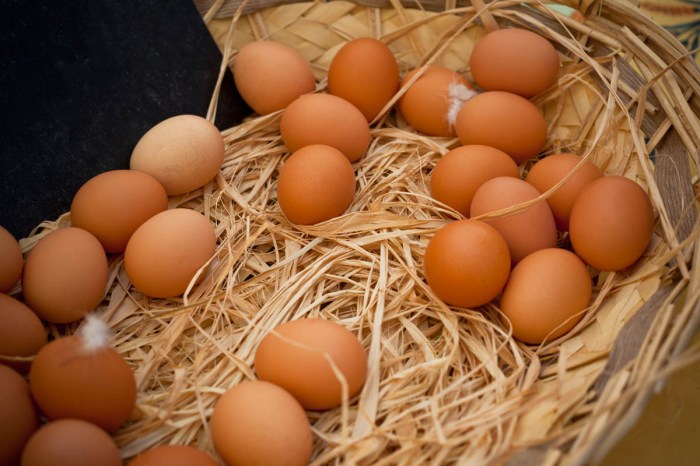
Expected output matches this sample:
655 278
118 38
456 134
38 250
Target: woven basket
445 385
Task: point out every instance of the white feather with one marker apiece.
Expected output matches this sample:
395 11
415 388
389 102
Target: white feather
457 94
95 333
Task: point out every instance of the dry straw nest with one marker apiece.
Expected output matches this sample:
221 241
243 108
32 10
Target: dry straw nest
445 385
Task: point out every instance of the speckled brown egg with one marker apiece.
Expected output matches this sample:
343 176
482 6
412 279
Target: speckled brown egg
166 252
258 423
21 334
270 75
183 153
612 222
525 231
546 295
71 442
365 73
18 416
173 455
316 183
514 60
325 119
505 121
65 275
12 261
461 171
295 356
113 204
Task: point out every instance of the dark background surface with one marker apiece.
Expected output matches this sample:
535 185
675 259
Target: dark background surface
82 81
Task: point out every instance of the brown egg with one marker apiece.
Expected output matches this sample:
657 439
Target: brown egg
549 171
71 379
270 75
18 417
258 423
315 184
183 153
365 73
461 171
467 263
71 442
21 333
428 104
325 119
165 253
505 121
65 275
612 222
173 455
113 204
514 60
546 294
295 357
12 261
526 231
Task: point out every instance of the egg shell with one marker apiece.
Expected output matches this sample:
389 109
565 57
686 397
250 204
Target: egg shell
546 295
21 333
12 261
325 119
68 380
467 263
612 222
71 442
315 184
525 231
270 75
18 416
550 170
173 455
426 103
514 60
461 171
165 253
505 121
183 153
295 356
113 204
258 423
65 275
365 73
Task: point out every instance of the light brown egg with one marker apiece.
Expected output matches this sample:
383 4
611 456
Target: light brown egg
12 261
65 275
514 60
365 73
461 171
295 357
258 423
73 377
325 119
183 153
113 204
21 333
165 253
612 222
18 417
505 121
549 171
526 231
173 455
316 183
270 75
467 263
427 104
71 442
546 295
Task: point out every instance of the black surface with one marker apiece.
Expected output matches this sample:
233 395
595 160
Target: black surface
81 81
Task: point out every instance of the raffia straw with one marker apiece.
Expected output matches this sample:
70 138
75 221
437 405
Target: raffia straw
445 385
